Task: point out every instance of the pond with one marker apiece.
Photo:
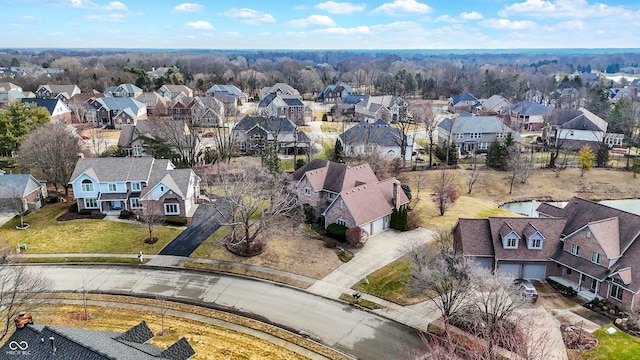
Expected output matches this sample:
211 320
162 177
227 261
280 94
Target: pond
528 208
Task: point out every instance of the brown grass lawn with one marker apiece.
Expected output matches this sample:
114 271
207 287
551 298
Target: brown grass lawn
209 341
47 235
297 250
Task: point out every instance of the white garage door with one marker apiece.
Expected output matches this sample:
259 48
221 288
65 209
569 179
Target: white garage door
534 271
511 269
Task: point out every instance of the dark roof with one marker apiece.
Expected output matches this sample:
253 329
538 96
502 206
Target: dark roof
473 237
271 124
293 102
527 107
581 264
354 99
49 104
380 133
77 343
464 97
549 228
311 165
579 212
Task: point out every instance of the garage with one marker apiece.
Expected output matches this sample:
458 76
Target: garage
483 262
534 271
512 270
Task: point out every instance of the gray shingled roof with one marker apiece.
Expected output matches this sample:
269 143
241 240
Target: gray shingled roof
282 126
380 133
115 169
22 184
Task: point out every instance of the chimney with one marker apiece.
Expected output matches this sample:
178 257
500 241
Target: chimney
394 199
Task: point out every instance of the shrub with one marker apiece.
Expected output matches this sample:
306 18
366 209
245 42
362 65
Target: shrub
73 208
95 214
309 214
85 212
399 219
125 214
337 232
356 237
53 199
330 243
175 220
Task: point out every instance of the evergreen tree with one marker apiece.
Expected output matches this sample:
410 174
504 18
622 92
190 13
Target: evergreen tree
494 155
338 152
16 121
270 160
602 156
324 117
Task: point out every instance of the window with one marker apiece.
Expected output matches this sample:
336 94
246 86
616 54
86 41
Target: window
161 188
596 257
112 187
135 186
341 222
536 243
331 196
483 146
568 271
616 292
512 243
459 135
87 185
475 135
575 249
135 203
171 209
307 191
90 203
588 234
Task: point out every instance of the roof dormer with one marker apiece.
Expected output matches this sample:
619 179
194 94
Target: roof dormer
509 237
533 237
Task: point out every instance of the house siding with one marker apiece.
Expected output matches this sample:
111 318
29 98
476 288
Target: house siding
587 246
338 210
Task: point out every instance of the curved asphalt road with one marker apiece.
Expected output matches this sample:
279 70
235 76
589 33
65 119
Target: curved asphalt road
359 333
206 220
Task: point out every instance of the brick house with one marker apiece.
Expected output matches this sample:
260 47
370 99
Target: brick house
591 247
24 186
349 196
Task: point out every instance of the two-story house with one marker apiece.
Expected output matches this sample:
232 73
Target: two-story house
528 115
390 108
110 185
474 133
381 137
114 112
11 92
334 93
464 102
202 111
174 91
349 196
275 105
588 246
584 128
254 134
123 90
58 110
61 92
230 95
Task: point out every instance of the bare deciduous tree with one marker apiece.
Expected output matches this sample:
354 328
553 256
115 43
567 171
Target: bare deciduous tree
15 202
182 137
519 165
472 176
97 141
21 289
423 114
50 152
254 201
444 191
151 217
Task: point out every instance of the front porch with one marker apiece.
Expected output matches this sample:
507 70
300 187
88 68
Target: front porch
586 294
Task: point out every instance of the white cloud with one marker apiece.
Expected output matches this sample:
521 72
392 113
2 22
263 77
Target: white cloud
564 9
463 17
200 25
474 15
313 20
506 24
111 17
28 18
249 16
116 5
188 7
402 7
572 25
340 7
359 30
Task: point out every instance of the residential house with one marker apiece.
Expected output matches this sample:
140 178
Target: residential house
203 111
495 105
229 94
173 91
474 133
81 108
254 134
123 90
61 92
463 102
21 186
346 106
281 89
275 105
625 93
114 112
334 93
132 137
160 72
522 247
58 110
136 184
380 136
390 108
10 92
528 115
599 251
588 246
40 342
565 98
349 196
156 104
585 128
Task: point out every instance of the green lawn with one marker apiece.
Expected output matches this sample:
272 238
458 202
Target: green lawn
389 283
619 346
47 235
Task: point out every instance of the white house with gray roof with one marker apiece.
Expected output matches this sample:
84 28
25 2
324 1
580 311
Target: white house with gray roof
110 185
114 112
380 136
474 133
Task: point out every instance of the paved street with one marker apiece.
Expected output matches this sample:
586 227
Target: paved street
356 332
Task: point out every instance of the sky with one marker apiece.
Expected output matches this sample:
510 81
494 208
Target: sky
319 24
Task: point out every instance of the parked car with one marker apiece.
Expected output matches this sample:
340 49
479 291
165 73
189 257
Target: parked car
23 319
86 137
528 290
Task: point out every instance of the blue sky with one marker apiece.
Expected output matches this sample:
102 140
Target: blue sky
305 24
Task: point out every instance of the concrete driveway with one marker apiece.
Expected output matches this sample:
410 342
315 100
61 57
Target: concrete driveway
5 217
